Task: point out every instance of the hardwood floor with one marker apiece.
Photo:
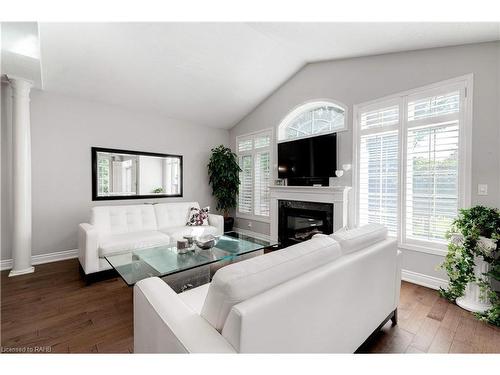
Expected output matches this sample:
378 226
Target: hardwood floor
430 324
53 310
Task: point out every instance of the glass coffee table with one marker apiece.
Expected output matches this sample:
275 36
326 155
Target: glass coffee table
164 261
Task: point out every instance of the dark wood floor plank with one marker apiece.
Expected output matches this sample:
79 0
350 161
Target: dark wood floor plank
399 340
425 335
451 318
461 347
54 308
413 350
442 341
415 318
439 309
466 329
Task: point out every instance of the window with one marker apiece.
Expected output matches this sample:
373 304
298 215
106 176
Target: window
412 157
313 118
254 158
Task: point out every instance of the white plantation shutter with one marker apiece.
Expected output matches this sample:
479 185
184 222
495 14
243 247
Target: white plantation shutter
378 167
261 184
433 106
254 156
379 118
262 141
246 190
432 166
245 145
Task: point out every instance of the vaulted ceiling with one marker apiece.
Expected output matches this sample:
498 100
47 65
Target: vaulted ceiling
213 74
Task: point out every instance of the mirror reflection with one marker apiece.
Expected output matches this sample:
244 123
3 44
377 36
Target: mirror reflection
128 175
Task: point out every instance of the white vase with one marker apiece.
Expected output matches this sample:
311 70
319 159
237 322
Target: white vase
473 300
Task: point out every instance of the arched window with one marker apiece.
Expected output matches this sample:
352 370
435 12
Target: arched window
314 118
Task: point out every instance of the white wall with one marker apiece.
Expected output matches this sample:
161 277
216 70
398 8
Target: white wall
357 80
63 130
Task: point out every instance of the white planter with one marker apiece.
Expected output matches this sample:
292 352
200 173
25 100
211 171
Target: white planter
472 299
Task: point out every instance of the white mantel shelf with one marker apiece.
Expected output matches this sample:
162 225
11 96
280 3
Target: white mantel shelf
312 189
337 195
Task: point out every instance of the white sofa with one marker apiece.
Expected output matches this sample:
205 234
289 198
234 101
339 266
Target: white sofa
327 294
119 229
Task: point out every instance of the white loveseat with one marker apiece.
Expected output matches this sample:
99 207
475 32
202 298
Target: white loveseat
327 294
119 229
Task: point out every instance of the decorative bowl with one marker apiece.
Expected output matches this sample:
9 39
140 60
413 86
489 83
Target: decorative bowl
206 242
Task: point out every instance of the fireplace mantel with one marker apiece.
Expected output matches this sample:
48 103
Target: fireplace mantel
338 195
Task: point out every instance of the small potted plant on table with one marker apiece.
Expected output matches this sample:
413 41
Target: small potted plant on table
223 170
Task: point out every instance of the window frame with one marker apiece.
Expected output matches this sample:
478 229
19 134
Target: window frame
253 152
309 106
464 84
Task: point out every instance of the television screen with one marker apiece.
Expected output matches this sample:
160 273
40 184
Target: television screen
308 157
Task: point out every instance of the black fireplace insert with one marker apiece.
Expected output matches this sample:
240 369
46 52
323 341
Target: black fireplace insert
298 221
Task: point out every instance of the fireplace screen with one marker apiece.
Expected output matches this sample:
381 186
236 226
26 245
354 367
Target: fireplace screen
299 221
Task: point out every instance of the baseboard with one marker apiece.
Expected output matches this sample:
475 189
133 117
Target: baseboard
43 258
250 233
424 280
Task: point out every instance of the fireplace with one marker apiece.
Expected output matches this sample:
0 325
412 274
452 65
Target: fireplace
333 199
298 221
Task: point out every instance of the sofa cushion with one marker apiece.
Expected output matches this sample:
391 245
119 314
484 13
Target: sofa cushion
352 240
198 216
176 233
239 281
125 242
174 214
124 219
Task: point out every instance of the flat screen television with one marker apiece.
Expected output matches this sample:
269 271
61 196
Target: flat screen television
314 157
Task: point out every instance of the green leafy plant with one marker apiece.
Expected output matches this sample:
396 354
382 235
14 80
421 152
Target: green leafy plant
158 190
475 232
223 170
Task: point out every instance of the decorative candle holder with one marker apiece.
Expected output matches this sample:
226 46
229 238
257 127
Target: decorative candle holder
182 246
189 238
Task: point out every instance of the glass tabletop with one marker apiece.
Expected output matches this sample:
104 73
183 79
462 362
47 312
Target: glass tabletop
165 260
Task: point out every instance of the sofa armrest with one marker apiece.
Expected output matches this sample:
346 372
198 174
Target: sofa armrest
163 323
218 222
88 248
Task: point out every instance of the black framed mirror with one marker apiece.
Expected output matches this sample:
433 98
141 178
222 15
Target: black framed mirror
125 174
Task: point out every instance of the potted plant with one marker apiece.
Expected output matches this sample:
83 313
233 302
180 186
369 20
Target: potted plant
473 260
223 170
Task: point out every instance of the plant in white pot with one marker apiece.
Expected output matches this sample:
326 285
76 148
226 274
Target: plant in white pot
473 260
224 173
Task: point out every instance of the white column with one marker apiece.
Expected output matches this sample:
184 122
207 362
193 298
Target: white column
473 300
21 177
